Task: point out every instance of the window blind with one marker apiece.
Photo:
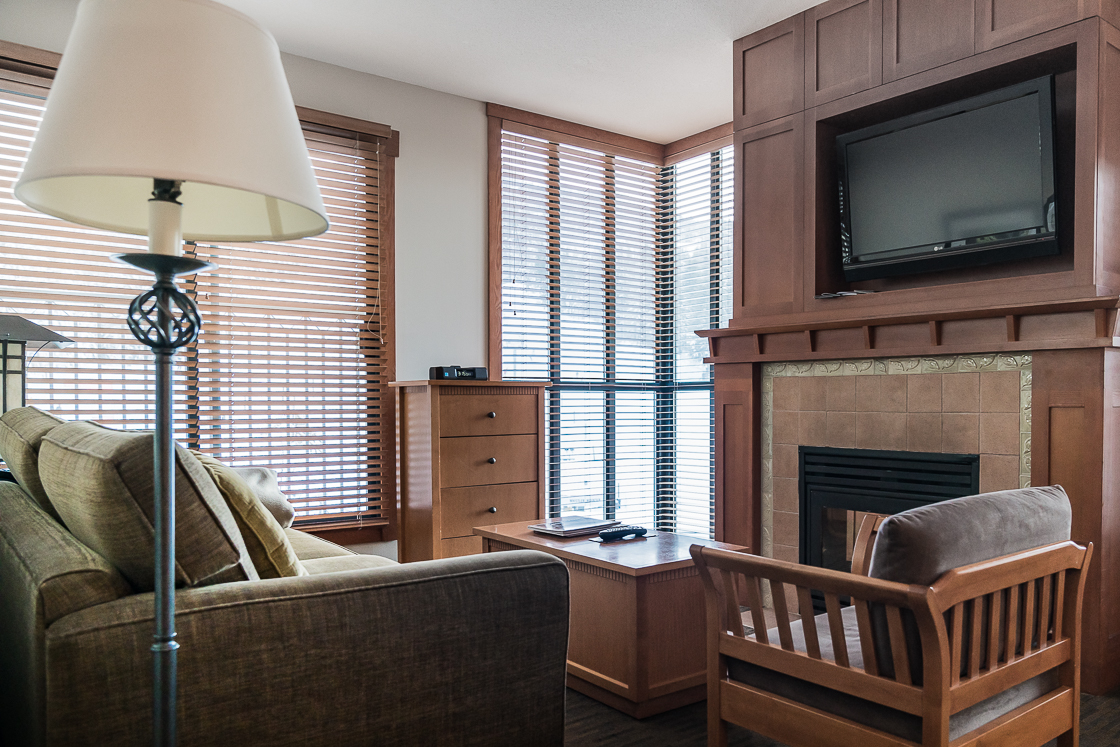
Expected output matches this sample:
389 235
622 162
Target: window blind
290 371
60 275
697 245
609 264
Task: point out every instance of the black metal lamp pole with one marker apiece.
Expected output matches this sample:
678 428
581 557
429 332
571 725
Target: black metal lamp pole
165 319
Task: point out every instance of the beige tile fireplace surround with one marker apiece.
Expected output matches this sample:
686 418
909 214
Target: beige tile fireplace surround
973 404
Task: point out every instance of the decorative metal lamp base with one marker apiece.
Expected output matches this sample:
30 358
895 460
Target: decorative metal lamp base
165 319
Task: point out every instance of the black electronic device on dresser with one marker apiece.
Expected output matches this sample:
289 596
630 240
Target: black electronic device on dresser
439 373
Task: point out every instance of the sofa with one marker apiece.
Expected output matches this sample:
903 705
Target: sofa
285 640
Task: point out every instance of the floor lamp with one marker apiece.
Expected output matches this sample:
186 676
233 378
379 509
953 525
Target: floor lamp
171 118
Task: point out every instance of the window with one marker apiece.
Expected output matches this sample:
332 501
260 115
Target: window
290 371
609 263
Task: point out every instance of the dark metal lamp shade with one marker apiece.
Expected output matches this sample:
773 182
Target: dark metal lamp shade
16 333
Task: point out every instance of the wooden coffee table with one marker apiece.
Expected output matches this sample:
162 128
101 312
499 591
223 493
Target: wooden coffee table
636 640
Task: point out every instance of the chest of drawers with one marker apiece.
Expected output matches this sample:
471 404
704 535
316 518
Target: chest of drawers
471 454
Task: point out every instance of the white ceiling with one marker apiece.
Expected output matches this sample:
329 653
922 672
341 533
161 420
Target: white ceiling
654 69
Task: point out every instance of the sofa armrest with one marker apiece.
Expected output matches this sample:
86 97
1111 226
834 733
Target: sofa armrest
461 651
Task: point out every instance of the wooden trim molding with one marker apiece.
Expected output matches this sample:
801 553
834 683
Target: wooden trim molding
387 233
577 134
350 535
494 247
701 142
341 122
13 55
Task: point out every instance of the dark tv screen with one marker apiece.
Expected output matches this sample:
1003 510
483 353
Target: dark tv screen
963 184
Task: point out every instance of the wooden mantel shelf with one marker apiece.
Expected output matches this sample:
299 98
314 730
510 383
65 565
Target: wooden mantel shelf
1078 323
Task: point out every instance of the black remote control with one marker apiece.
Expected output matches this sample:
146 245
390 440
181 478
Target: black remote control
617 533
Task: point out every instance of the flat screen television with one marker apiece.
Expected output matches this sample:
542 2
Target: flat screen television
964 184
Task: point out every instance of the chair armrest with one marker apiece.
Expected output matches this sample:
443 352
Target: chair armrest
1039 589
726 575
465 651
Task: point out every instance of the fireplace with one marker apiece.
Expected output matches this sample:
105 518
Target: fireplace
954 404
838 487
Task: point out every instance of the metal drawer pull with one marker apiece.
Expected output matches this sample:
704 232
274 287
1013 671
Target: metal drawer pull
492 509
492 460
491 414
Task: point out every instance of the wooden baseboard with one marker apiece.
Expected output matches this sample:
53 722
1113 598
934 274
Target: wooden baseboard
646 708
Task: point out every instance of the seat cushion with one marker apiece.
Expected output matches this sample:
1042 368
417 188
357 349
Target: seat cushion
865 712
101 481
346 563
309 547
21 433
268 546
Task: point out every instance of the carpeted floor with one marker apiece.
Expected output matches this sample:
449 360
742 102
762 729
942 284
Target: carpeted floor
589 722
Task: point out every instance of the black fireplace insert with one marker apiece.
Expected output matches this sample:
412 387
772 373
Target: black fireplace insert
837 487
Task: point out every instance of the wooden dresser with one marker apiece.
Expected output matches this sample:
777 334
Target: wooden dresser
471 454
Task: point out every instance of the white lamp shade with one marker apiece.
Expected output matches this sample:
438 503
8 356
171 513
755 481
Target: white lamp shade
185 90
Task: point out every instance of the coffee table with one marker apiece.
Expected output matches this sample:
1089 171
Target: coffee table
636 639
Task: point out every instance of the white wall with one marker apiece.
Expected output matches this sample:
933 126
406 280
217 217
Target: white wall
441 207
440 189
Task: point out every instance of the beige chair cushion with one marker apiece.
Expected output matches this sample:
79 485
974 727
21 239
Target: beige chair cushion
346 563
102 483
268 546
310 547
917 546
21 433
264 483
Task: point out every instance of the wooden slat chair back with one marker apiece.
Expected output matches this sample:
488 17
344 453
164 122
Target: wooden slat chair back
1022 609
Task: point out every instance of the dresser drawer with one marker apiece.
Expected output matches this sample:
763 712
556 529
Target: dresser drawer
453 548
463 509
466 460
470 414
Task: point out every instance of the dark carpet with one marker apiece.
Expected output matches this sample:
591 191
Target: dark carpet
589 722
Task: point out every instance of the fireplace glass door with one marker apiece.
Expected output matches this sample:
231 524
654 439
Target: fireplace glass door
839 487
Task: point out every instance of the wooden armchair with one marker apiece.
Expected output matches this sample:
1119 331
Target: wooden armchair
966 632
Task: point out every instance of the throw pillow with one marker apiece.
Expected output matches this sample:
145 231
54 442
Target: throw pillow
102 482
263 482
21 433
268 546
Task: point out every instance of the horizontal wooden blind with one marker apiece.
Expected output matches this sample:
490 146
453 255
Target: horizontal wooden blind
290 372
60 275
290 369
697 249
578 308
609 265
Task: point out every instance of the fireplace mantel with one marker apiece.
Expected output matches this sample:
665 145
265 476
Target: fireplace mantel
1079 323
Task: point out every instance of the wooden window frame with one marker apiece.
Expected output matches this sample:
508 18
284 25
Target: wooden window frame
504 119
29 70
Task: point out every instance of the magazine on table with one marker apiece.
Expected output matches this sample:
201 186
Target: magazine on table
572 526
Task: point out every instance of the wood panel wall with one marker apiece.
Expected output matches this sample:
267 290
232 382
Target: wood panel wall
848 64
857 88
